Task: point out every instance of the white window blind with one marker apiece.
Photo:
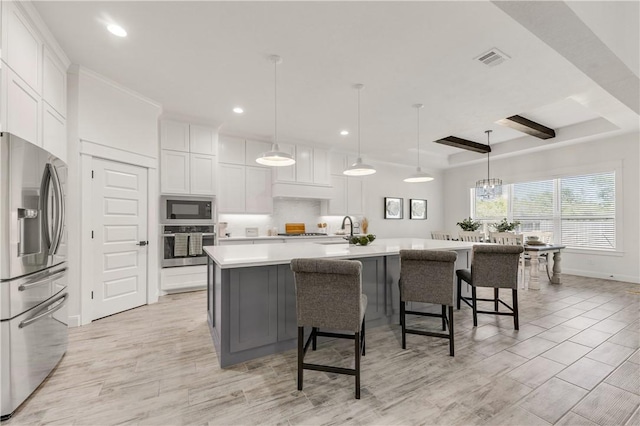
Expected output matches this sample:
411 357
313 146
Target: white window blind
579 210
532 205
587 208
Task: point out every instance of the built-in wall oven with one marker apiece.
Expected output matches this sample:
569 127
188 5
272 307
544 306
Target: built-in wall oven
182 244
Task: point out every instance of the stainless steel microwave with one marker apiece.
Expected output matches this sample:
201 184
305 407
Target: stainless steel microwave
187 210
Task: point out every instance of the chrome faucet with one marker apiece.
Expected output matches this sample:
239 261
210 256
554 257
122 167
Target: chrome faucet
350 221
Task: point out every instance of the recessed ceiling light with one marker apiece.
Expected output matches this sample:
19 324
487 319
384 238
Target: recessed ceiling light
238 110
344 132
117 30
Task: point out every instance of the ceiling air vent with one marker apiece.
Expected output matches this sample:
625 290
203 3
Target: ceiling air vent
493 57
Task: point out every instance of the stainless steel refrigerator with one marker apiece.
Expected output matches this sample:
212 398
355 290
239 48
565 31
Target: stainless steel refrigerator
33 293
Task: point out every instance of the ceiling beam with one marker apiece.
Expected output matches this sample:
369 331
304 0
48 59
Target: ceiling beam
527 126
464 144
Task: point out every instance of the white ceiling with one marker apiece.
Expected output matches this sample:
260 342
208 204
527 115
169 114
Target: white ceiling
200 59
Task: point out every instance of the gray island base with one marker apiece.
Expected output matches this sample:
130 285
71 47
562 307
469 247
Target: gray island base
251 305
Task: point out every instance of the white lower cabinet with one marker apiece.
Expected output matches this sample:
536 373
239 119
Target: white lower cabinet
183 278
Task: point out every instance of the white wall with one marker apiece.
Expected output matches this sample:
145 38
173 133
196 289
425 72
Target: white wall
621 152
113 116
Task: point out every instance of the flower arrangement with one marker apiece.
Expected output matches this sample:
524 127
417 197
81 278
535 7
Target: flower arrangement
469 224
505 226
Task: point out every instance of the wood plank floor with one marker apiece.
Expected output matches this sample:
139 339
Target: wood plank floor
575 361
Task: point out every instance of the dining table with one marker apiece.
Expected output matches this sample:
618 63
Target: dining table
534 252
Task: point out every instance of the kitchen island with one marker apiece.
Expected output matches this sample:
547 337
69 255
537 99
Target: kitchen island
251 306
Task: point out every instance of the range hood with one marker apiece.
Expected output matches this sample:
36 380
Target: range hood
296 190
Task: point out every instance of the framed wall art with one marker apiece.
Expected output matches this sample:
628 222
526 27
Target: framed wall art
393 208
417 209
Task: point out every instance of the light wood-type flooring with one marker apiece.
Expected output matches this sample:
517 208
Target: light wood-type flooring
575 361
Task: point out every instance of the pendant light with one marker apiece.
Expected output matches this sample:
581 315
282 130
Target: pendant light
359 168
488 189
275 157
419 175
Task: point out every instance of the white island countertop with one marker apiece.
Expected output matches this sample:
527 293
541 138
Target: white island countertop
242 256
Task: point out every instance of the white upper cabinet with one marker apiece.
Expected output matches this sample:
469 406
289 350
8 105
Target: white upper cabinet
188 157
321 167
304 164
258 190
174 135
253 150
337 162
346 197
54 83
202 140
54 132
21 45
286 173
174 173
231 150
203 174
355 202
232 188
21 112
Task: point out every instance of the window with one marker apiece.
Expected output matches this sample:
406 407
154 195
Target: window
580 210
587 207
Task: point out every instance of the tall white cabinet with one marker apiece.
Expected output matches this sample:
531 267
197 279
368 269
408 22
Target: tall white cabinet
188 163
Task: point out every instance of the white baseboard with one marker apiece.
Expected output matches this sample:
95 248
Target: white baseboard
604 276
74 321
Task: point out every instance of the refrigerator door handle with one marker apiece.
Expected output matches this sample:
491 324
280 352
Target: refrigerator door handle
45 310
59 208
46 280
44 207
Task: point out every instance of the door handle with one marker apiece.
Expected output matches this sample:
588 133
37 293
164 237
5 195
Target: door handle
142 243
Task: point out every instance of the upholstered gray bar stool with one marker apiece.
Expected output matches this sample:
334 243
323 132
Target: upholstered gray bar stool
427 276
329 296
493 266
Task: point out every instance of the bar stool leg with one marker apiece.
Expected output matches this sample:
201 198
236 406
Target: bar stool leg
444 315
451 330
314 338
300 355
474 306
357 348
363 339
495 299
458 296
516 323
403 321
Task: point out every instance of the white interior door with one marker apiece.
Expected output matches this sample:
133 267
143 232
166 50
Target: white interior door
119 215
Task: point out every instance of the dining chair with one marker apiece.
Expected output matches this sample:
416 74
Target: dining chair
329 296
471 236
441 235
426 276
494 266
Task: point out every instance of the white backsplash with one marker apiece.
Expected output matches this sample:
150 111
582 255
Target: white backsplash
284 211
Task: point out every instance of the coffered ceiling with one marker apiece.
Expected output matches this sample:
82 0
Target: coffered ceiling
570 66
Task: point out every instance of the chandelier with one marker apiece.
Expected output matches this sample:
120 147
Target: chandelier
489 188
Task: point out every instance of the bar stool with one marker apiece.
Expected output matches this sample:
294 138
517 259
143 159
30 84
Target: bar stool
427 276
329 296
493 266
